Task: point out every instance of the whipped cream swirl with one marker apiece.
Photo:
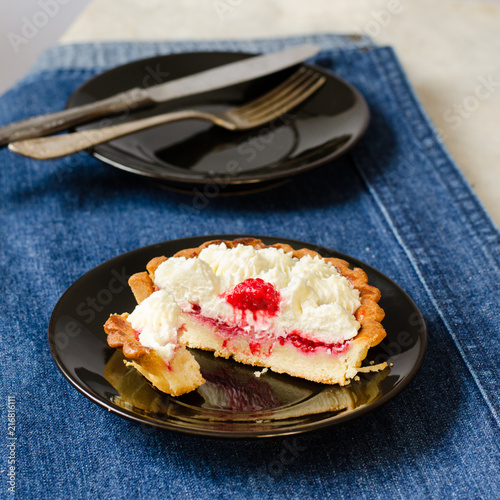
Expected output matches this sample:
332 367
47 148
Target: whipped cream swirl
315 298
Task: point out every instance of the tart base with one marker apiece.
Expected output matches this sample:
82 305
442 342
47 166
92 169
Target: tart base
319 366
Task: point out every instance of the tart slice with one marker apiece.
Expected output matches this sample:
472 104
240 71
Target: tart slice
292 311
149 339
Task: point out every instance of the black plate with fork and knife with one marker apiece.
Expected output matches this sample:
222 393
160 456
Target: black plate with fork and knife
194 153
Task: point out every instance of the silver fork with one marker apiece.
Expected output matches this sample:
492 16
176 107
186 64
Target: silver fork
281 99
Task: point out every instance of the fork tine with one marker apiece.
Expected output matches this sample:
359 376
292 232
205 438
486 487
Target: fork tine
289 103
293 89
298 75
286 101
269 100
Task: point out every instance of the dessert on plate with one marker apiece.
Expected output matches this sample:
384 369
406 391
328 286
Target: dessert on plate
291 311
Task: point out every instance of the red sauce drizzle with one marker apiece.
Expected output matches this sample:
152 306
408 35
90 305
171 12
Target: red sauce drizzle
300 342
254 348
255 295
218 325
308 345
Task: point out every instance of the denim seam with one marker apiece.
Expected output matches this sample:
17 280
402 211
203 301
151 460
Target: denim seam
421 278
414 262
438 154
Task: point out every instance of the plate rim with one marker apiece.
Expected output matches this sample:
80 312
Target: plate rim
99 152
218 433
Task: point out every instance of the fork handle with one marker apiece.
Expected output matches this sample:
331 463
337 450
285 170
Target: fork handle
47 148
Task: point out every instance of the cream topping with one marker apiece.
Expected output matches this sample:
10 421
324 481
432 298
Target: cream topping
157 319
315 298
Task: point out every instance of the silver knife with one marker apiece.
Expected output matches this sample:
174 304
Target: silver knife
215 78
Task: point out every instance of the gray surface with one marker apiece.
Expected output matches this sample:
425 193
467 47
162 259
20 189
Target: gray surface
27 28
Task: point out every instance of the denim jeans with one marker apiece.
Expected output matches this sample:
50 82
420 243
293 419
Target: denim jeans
396 201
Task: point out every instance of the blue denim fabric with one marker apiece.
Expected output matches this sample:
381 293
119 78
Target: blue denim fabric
396 201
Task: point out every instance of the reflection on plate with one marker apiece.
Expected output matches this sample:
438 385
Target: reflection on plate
193 153
236 400
239 393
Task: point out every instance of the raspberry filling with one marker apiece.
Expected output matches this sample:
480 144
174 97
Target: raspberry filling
217 324
255 295
308 345
259 297
296 338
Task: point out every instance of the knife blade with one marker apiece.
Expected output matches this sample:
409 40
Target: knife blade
135 98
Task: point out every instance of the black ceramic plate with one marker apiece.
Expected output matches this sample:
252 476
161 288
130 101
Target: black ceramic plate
193 153
234 402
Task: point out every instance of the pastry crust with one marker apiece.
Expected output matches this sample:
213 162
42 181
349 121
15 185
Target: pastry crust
321 367
180 376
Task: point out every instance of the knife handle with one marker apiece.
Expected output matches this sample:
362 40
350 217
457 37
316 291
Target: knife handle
62 120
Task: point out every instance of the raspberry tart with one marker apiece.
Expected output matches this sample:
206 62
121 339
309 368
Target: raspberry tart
291 311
